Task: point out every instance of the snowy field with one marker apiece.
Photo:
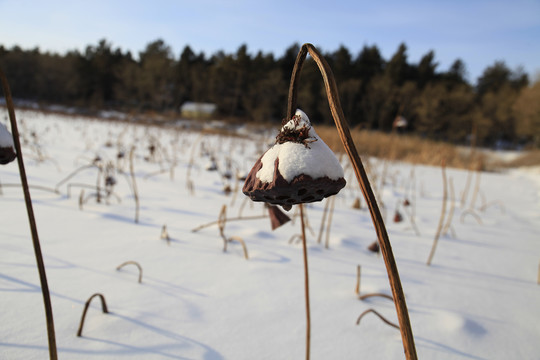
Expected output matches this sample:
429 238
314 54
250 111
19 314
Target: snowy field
479 299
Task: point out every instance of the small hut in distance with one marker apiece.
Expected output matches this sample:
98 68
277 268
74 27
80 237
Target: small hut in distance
197 110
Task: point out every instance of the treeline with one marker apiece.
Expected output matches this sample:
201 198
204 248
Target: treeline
501 108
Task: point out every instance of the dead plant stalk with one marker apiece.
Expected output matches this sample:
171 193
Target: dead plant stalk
350 149
443 214
53 354
306 283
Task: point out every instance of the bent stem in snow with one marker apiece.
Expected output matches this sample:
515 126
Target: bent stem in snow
103 308
379 315
350 149
31 218
367 296
132 263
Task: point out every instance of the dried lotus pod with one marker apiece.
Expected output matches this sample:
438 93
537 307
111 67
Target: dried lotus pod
299 168
7 151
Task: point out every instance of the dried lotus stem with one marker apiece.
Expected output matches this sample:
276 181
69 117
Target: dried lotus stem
350 149
443 214
306 282
358 273
242 242
222 219
216 222
323 221
165 235
134 184
473 214
53 354
131 262
332 202
103 308
452 207
367 296
379 315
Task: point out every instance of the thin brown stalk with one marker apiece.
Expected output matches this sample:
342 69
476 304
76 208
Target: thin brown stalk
134 183
222 218
492 203
103 308
358 273
216 222
242 242
443 214
81 199
448 223
306 283
75 172
470 172
53 353
350 148
165 234
472 213
379 315
476 185
329 224
367 296
296 237
37 187
131 262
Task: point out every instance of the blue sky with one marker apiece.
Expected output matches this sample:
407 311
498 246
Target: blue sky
478 32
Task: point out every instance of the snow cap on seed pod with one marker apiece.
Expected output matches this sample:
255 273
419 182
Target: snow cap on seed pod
7 151
299 168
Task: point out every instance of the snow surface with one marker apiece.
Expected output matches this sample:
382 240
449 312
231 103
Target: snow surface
478 300
315 160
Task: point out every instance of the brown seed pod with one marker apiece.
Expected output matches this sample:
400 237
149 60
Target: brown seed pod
299 168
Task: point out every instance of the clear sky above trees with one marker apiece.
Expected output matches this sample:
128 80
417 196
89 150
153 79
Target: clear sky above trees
478 32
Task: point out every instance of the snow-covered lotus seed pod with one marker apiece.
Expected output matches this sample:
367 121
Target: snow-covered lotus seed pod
299 168
7 151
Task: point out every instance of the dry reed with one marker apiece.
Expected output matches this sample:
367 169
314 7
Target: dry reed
379 315
103 308
443 214
131 262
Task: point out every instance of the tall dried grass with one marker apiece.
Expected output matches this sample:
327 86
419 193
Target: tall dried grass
398 147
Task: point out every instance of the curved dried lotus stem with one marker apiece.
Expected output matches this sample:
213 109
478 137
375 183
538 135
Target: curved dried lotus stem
350 149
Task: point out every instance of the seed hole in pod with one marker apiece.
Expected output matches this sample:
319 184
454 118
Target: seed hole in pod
302 192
